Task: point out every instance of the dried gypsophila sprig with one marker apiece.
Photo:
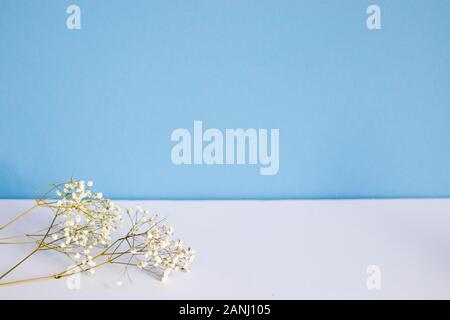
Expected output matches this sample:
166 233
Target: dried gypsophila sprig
82 219
82 229
87 218
150 246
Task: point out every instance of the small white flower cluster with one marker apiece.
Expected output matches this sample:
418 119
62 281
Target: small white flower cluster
82 229
153 248
84 219
84 226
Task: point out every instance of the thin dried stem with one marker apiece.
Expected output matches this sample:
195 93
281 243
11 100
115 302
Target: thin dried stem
19 217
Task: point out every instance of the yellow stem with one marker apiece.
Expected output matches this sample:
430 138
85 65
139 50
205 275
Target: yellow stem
56 276
28 280
18 217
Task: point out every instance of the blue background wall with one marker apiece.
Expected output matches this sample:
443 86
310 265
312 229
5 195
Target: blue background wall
361 113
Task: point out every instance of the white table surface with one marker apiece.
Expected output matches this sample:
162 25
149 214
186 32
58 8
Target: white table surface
267 250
